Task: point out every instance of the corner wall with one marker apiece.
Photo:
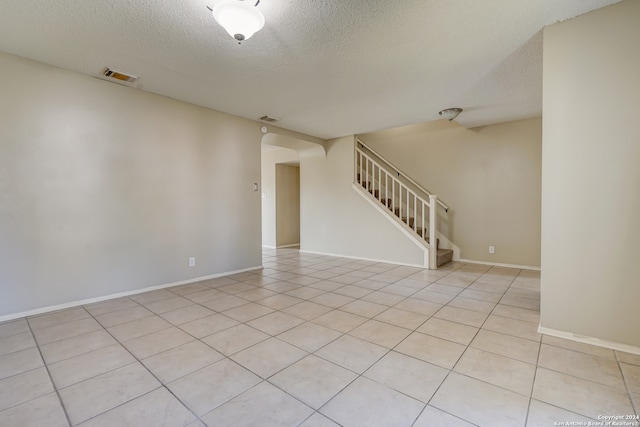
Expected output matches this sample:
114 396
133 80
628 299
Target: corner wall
106 189
591 176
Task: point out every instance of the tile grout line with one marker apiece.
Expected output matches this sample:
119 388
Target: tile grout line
299 265
358 375
46 367
136 360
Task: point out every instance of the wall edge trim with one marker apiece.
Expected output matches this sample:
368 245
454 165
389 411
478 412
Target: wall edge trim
63 306
500 264
363 259
626 348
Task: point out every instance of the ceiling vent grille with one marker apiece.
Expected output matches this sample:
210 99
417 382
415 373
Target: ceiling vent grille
268 119
118 75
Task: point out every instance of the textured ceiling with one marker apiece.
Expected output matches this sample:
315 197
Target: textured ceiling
326 68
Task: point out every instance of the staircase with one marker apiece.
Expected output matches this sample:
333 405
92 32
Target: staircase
404 200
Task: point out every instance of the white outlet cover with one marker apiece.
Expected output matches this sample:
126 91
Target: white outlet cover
192 261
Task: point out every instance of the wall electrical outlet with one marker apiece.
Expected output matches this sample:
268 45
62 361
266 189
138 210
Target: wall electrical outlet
492 249
192 261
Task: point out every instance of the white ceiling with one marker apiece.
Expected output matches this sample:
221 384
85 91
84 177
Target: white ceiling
326 68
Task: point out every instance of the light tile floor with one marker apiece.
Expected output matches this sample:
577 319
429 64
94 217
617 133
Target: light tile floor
313 341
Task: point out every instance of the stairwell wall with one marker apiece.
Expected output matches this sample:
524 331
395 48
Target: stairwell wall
489 176
336 220
106 189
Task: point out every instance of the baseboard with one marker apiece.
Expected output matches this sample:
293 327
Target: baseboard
499 264
288 246
589 340
363 259
57 307
281 246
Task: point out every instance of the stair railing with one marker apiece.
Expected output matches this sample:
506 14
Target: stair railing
360 145
383 183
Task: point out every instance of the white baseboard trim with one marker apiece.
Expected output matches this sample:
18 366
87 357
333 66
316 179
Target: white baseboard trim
281 246
363 259
589 340
499 264
71 304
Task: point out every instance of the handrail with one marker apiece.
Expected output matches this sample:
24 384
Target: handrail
405 176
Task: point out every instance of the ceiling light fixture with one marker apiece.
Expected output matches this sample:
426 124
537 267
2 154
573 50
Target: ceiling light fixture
450 113
240 18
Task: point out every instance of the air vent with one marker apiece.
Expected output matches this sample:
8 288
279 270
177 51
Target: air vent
119 75
268 119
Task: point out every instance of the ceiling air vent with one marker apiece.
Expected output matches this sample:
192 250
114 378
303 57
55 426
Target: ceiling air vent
118 75
268 119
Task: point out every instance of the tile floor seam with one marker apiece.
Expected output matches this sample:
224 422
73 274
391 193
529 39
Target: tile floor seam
458 361
556 406
436 392
596 383
18 351
138 336
49 313
139 361
533 383
53 385
627 386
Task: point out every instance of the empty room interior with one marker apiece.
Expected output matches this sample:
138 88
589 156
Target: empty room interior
316 213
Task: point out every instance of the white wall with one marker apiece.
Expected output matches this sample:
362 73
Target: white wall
107 189
489 176
591 175
337 220
269 160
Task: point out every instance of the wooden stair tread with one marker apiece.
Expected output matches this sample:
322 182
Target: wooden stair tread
443 256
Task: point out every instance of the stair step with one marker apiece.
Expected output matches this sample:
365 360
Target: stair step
410 222
375 193
444 256
429 241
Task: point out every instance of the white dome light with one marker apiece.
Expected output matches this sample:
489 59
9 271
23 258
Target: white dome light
240 19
